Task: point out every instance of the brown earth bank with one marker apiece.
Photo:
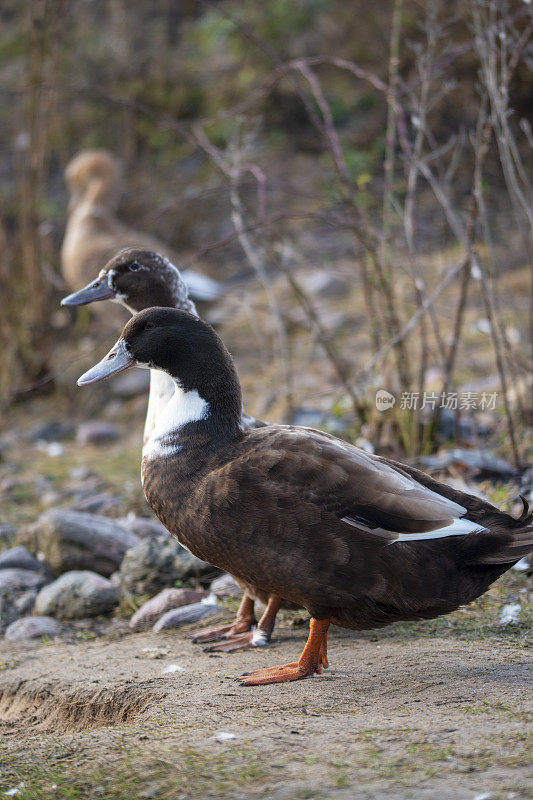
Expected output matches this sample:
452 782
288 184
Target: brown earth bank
425 710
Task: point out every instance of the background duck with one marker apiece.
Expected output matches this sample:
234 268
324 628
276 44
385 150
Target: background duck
357 540
140 279
94 233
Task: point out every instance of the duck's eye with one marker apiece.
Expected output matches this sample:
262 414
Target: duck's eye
134 267
148 326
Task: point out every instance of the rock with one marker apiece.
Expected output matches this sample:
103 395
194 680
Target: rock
25 602
479 462
53 431
156 564
314 418
8 613
132 384
102 501
186 615
19 558
18 588
154 609
13 579
97 432
32 628
6 532
143 527
76 595
225 586
73 540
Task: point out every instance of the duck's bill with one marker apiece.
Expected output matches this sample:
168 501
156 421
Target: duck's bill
96 290
117 360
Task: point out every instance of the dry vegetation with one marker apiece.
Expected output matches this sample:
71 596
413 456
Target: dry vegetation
388 146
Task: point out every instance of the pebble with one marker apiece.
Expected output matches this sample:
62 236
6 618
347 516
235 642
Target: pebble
19 558
186 615
143 527
167 599
6 532
97 432
53 431
13 579
76 595
32 628
133 383
225 586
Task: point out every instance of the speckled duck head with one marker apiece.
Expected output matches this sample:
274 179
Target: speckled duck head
137 279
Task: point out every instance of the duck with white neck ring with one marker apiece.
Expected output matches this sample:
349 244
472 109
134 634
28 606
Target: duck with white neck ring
140 279
357 540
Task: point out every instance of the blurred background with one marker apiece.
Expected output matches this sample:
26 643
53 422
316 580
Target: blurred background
356 176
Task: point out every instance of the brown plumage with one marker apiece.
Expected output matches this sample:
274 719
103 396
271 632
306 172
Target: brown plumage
295 513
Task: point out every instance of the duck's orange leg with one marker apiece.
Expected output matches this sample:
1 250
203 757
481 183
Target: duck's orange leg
313 659
244 621
257 637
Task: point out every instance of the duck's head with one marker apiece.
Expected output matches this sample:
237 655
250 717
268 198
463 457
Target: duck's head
97 172
137 279
183 346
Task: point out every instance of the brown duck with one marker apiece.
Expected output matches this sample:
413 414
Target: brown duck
139 279
357 540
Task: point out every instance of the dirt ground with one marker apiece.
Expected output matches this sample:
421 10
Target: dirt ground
429 710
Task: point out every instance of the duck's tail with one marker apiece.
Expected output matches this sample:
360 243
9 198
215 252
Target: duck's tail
508 539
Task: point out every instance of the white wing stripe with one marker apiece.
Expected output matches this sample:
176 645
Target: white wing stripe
459 527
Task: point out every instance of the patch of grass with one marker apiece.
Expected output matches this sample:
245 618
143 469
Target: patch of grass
193 772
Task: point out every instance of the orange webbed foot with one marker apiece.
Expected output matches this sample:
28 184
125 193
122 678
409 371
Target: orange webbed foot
286 672
313 660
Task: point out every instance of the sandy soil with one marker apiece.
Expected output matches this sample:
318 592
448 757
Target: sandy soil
402 714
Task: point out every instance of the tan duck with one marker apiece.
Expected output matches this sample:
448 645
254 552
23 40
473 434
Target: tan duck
94 234
297 514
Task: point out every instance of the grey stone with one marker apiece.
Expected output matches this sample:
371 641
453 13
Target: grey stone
76 595
143 527
13 579
24 603
155 564
186 615
6 532
73 540
19 558
54 431
323 284
131 384
92 503
166 600
225 586
97 432
32 628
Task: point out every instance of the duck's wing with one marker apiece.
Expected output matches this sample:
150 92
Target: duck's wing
363 491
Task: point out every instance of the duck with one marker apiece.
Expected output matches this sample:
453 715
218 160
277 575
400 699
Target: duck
358 540
139 279
94 232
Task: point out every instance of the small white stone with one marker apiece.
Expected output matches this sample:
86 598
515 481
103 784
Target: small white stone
510 613
224 736
172 668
